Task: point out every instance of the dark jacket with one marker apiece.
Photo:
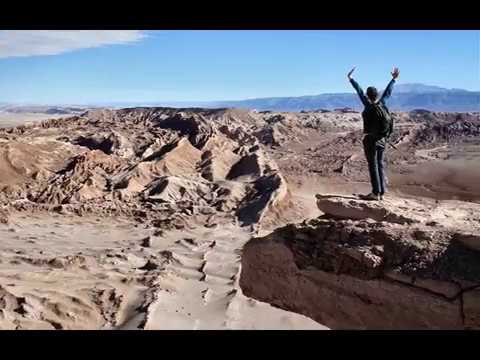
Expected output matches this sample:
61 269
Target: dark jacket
368 127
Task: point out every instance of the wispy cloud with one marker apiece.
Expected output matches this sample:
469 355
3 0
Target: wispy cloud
15 43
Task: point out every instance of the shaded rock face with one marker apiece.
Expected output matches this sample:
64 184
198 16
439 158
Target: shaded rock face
266 193
269 136
366 274
95 143
471 308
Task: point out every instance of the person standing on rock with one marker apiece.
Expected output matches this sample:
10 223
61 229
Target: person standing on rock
377 127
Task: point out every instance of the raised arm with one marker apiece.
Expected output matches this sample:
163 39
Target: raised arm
357 88
388 90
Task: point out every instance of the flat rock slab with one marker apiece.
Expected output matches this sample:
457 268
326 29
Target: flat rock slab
350 208
458 216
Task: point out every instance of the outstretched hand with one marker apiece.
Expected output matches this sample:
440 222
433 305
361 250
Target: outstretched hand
395 72
349 75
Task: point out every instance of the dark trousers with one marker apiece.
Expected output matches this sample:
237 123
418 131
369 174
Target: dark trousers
375 152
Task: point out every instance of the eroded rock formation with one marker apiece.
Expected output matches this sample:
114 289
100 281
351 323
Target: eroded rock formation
366 266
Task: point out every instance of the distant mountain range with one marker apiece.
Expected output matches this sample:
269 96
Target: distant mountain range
405 97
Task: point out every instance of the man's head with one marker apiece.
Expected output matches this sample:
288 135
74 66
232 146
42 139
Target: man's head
372 93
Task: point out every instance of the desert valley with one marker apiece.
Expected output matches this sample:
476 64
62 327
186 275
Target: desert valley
191 218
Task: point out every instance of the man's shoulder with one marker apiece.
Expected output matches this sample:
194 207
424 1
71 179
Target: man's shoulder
383 104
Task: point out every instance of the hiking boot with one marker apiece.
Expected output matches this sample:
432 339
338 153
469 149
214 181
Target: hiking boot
371 196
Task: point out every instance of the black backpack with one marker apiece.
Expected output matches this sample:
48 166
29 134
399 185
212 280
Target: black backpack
377 120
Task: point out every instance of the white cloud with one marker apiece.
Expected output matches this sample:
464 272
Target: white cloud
14 43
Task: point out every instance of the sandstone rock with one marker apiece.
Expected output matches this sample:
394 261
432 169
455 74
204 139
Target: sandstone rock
374 276
459 217
351 208
471 309
447 289
468 239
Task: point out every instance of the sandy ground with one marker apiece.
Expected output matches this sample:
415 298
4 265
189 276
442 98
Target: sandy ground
180 280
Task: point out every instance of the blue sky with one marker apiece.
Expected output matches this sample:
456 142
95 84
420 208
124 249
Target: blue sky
113 66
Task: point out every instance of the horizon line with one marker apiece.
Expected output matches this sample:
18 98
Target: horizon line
104 102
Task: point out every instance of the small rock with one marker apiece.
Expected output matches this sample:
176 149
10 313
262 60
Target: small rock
149 266
206 210
190 241
158 233
146 242
57 209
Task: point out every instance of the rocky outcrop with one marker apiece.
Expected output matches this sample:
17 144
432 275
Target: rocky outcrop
447 127
350 208
149 161
267 192
84 177
370 272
